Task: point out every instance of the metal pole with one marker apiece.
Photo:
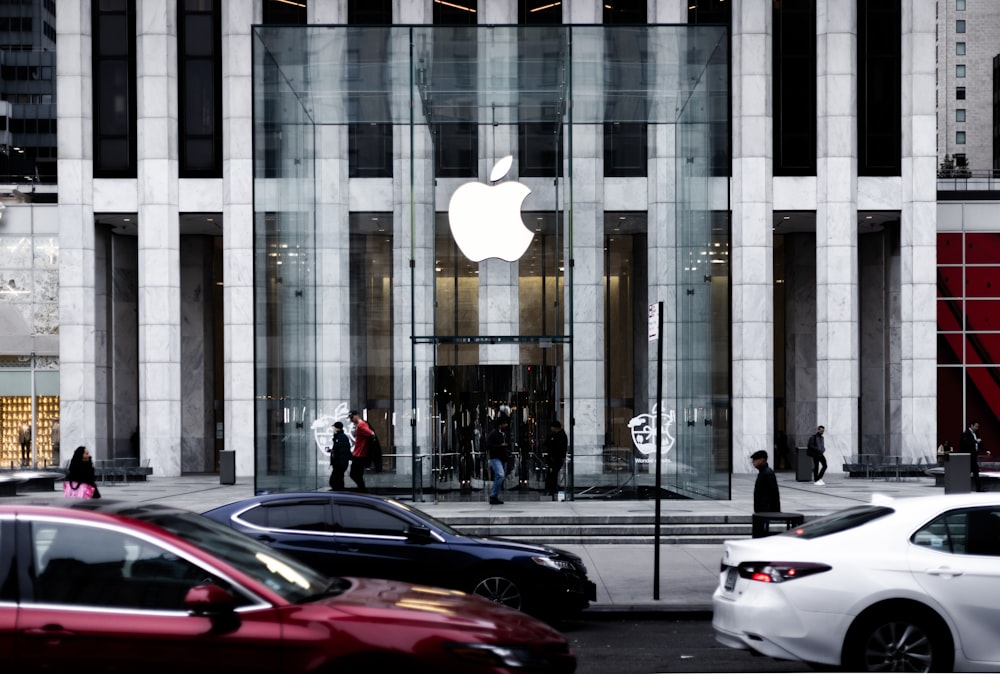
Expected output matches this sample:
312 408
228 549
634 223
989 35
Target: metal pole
659 440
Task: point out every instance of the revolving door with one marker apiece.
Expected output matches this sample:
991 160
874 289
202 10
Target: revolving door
468 399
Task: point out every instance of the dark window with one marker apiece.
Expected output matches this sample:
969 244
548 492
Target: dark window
456 128
114 93
311 516
367 520
370 131
708 11
960 93
963 532
626 11
879 87
539 137
199 66
794 83
282 12
848 518
625 113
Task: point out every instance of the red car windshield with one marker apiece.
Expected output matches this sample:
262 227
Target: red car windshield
287 577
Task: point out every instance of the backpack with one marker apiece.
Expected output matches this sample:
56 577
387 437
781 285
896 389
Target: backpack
374 448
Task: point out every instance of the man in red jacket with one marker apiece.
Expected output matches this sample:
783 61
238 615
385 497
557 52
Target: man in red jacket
359 460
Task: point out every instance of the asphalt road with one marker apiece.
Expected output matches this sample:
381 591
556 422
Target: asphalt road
628 645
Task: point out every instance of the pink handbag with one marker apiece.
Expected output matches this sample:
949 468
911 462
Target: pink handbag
81 490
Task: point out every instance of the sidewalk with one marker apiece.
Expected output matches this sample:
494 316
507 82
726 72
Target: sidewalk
624 573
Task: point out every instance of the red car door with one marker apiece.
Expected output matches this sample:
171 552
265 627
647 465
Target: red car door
104 600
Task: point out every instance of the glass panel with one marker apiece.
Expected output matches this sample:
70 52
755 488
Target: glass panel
391 321
982 403
982 282
949 248
982 248
982 315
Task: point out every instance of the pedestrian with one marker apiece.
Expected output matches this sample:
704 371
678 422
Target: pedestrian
497 444
765 490
24 438
944 449
556 444
816 449
359 455
970 443
340 457
81 470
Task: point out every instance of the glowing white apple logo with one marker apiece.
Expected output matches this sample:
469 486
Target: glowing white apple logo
486 219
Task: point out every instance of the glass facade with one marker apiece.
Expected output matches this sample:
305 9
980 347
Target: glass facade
365 298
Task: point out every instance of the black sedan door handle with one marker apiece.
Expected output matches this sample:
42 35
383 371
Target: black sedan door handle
266 539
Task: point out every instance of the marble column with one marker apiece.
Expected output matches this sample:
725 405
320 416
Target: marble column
413 245
752 247
837 303
237 232
159 237
918 234
74 83
585 255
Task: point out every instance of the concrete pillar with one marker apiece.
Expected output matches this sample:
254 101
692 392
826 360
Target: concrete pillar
237 232
74 83
919 234
159 237
837 304
752 247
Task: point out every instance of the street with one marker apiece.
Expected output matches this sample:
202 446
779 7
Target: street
645 645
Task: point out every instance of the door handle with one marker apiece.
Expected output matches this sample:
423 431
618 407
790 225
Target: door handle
50 630
265 538
944 571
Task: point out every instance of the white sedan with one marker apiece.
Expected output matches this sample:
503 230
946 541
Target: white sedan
898 585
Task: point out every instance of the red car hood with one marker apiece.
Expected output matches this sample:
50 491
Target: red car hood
370 598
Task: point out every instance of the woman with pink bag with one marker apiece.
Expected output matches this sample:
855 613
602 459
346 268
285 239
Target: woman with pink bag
80 480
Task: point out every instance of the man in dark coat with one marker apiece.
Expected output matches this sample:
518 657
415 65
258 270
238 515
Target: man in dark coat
970 444
497 445
556 444
765 489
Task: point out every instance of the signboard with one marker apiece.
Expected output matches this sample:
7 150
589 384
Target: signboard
654 322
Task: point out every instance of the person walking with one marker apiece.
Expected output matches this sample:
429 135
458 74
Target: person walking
497 444
81 470
766 498
816 449
556 444
970 444
340 457
359 455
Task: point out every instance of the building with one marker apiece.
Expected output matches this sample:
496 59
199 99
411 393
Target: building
252 233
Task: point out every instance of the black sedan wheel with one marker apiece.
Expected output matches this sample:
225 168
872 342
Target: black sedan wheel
500 588
894 642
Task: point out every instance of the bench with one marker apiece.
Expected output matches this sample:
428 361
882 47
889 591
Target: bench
8 485
761 523
36 480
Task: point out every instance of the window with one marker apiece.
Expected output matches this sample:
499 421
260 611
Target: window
90 566
308 516
960 48
960 26
960 115
367 520
114 89
199 77
960 70
960 138
963 532
960 93
959 5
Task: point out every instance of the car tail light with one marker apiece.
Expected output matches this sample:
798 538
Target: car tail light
779 572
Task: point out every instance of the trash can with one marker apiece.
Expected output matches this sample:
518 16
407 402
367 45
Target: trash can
227 466
803 465
958 473
769 524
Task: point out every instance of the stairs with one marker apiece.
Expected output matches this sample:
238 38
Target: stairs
612 529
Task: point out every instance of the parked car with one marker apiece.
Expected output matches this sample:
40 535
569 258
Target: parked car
355 534
897 585
119 587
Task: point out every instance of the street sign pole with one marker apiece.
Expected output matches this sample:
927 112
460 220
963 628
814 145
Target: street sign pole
659 440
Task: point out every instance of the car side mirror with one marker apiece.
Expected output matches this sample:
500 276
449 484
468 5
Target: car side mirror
212 602
418 534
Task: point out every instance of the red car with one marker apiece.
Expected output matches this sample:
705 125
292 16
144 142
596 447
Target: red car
119 587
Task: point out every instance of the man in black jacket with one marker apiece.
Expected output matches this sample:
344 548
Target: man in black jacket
498 445
970 444
556 444
765 489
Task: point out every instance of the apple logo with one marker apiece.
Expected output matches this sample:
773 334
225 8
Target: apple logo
486 219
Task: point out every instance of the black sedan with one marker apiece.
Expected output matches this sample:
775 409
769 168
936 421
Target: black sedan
349 534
